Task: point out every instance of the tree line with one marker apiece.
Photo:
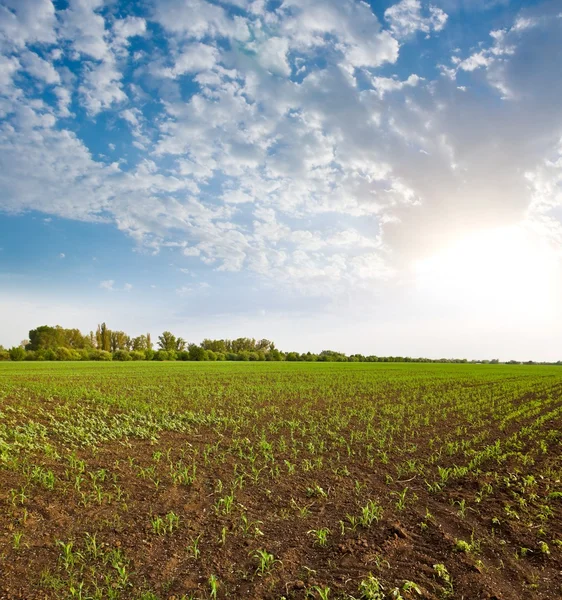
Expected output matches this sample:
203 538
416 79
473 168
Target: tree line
57 343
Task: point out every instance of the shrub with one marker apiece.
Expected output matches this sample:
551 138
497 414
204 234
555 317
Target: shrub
100 355
137 355
121 355
196 352
161 355
274 355
17 353
49 354
63 353
4 355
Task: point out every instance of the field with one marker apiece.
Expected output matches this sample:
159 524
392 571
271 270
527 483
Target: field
280 480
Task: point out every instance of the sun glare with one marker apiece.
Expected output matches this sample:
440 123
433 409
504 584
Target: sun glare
508 271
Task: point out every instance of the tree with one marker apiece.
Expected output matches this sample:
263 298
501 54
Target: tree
44 337
180 344
119 341
121 354
167 341
196 352
216 345
140 343
17 353
243 344
104 338
265 345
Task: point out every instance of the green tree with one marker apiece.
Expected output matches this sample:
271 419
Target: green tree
167 341
196 352
44 337
139 343
104 338
17 353
119 341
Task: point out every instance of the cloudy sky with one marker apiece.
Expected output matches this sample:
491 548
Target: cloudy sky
373 176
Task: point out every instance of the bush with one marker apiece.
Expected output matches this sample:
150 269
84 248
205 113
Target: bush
274 355
121 355
161 355
49 354
149 354
182 355
137 355
100 355
17 353
63 353
4 355
30 355
196 352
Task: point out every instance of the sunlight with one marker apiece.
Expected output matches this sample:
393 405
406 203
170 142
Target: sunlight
507 270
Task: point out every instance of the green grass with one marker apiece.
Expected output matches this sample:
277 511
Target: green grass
365 444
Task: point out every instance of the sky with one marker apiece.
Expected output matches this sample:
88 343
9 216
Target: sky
378 177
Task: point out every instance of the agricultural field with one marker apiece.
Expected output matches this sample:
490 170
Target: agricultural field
280 480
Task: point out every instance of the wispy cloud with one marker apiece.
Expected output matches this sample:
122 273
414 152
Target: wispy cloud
292 144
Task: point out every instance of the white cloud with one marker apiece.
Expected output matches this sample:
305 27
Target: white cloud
64 98
39 68
199 19
108 285
192 59
129 27
29 21
9 66
82 24
272 55
101 87
329 180
356 29
384 85
186 291
407 17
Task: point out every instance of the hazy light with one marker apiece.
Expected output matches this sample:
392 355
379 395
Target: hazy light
508 272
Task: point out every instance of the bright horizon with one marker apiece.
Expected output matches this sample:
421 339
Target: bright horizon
382 178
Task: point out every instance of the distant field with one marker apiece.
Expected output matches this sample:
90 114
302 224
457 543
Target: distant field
280 480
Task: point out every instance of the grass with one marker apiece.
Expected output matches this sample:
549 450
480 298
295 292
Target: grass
198 480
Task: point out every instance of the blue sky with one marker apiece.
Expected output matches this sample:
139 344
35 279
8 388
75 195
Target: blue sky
380 177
